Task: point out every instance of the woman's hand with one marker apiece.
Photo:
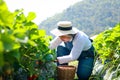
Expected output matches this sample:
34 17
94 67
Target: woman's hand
56 60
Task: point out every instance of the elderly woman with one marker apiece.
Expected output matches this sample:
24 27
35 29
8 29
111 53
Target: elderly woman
71 45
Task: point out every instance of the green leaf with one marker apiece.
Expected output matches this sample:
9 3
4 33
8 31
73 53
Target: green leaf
9 42
20 33
1 46
42 33
3 6
34 37
1 59
32 43
1 1
31 16
1 54
20 18
30 26
16 54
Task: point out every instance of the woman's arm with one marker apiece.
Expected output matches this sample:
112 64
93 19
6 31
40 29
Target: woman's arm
55 42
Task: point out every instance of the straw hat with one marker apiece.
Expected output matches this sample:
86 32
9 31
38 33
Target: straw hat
64 28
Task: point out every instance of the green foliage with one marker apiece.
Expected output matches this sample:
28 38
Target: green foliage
90 16
107 45
22 43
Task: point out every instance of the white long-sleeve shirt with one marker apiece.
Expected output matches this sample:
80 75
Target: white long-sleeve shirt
81 43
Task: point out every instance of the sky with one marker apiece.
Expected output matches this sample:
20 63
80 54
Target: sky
42 8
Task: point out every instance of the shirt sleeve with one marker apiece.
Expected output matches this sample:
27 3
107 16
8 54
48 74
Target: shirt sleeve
55 42
78 45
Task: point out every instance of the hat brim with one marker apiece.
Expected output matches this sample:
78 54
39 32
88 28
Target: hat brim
57 32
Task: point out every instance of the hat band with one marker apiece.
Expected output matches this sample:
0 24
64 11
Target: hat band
65 28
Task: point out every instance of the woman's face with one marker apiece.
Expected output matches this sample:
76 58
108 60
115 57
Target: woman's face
65 38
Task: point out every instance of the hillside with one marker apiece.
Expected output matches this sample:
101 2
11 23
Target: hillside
90 16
